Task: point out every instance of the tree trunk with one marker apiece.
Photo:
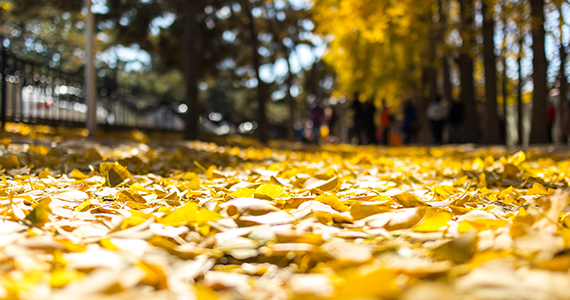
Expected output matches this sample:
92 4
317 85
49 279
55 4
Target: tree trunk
563 91
262 116
90 77
505 94
447 88
519 94
490 117
429 92
191 70
290 99
539 127
470 121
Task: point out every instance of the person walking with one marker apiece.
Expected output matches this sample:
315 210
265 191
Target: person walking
456 122
385 122
437 114
318 119
410 123
368 113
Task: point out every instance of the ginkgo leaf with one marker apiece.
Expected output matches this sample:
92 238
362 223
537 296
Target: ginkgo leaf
5 142
78 174
182 215
40 214
269 191
408 200
332 201
44 173
433 220
113 173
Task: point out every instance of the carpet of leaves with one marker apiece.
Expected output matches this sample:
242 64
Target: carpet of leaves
190 220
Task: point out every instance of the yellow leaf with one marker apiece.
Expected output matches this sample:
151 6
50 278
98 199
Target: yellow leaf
139 188
460 181
83 206
62 277
323 185
44 173
360 211
372 284
517 158
189 176
194 184
11 162
40 214
5 142
106 243
433 220
206 215
182 215
408 200
268 191
113 173
78 174
39 149
480 224
243 193
332 201
459 250
537 189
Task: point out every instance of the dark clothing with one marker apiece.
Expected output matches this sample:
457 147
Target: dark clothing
437 131
456 113
357 123
410 124
368 112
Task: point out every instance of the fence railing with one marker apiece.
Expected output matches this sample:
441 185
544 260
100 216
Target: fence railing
31 92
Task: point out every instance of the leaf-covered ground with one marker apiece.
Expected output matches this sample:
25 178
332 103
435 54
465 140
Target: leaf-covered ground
89 220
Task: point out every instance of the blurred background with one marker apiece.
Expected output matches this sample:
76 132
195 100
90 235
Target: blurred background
317 71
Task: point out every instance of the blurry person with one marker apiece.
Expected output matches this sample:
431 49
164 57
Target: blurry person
368 112
456 122
550 119
317 117
357 123
410 124
437 114
385 122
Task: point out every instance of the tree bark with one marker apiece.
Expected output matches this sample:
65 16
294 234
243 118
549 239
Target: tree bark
262 115
519 94
90 78
447 87
491 134
505 94
191 70
563 90
539 127
290 99
470 122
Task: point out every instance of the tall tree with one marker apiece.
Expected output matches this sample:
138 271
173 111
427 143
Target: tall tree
191 69
520 114
562 79
539 127
490 117
255 57
445 68
465 61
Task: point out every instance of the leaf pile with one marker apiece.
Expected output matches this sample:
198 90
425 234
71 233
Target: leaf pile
82 220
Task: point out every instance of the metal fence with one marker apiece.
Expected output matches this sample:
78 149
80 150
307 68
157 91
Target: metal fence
36 93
